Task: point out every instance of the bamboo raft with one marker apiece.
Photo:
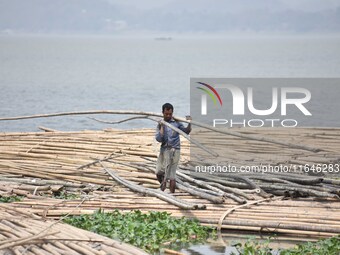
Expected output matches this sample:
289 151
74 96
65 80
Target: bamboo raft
23 233
99 166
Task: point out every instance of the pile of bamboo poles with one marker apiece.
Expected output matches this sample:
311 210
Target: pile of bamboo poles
325 142
76 159
38 165
23 233
299 172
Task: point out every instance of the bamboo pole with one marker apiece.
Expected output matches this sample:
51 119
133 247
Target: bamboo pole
160 195
129 112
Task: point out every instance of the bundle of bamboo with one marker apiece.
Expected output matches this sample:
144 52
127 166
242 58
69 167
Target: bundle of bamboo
42 165
24 233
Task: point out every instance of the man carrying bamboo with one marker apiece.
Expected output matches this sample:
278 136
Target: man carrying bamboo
169 154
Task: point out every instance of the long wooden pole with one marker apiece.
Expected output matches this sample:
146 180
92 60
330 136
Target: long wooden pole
130 112
156 193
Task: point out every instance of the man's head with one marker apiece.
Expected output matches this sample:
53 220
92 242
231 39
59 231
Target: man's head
167 110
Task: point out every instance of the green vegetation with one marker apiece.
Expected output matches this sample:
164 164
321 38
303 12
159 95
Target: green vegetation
65 195
147 231
254 247
329 246
10 199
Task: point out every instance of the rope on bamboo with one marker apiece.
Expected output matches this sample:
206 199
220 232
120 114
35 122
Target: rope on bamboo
111 156
220 221
44 214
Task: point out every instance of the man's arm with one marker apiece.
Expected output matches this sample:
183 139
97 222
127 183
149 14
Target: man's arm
187 129
160 132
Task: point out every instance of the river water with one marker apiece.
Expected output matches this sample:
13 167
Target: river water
45 74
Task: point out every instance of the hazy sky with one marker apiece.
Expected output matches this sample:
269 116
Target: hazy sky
312 5
142 4
117 17
307 5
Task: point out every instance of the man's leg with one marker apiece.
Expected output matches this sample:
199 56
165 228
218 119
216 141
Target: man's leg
160 167
167 165
175 155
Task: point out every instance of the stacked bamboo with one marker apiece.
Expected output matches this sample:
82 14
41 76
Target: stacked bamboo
240 151
38 165
23 233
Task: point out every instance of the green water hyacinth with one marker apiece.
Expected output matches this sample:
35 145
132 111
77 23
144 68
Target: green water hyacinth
329 246
147 231
10 199
65 195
